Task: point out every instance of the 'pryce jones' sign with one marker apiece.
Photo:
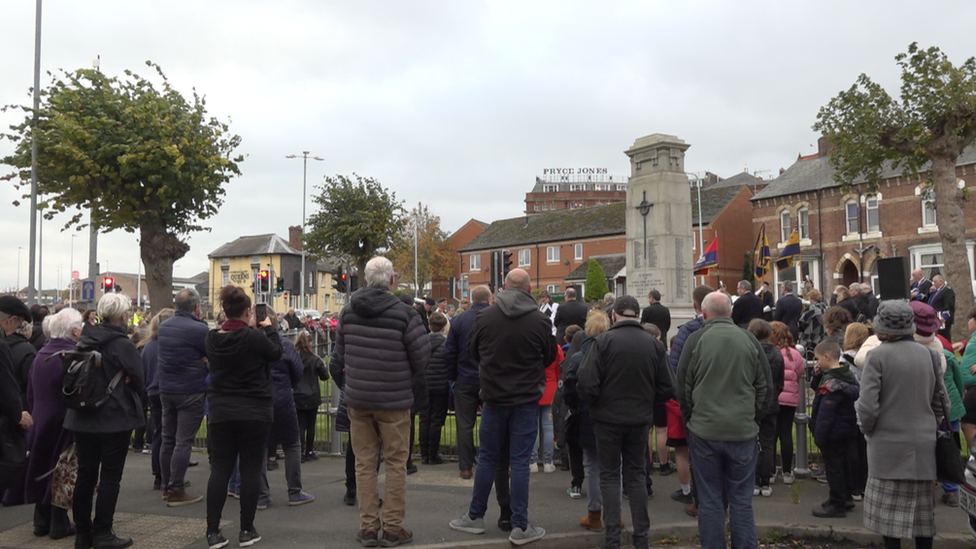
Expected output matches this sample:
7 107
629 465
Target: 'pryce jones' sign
240 277
574 171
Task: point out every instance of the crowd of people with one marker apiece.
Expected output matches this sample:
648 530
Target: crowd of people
601 388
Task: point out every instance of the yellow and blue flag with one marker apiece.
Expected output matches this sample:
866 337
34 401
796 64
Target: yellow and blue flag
708 259
791 252
762 255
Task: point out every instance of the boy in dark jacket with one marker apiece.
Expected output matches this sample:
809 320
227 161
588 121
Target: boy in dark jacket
835 427
432 416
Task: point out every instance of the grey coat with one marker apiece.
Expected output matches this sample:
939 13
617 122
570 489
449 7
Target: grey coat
897 410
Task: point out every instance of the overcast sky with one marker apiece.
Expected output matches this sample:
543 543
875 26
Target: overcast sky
460 104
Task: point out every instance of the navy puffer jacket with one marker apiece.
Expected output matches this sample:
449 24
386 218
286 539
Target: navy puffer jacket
381 345
437 383
182 346
285 373
684 331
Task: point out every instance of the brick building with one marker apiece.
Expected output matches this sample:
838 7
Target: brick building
843 234
574 189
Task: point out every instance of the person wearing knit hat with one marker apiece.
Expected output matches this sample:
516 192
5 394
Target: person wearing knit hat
898 383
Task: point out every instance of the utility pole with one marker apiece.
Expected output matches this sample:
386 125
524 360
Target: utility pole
304 158
37 104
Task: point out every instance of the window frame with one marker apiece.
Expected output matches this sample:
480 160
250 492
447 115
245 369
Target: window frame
525 257
785 229
848 219
803 222
578 251
474 263
552 254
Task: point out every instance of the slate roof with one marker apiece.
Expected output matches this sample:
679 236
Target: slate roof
610 263
713 201
737 180
812 174
550 227
262 244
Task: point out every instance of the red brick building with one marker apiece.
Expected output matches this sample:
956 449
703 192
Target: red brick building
843 234
574 189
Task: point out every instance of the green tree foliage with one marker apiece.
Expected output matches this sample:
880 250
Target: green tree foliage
596 282
357 218
923 134
435 258
138 157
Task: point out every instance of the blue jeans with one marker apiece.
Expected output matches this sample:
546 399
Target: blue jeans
728 467
517 424
545 419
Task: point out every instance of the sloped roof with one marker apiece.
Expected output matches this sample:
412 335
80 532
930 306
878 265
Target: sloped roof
737 180
610 263
553 226
262 244
812 174
713 201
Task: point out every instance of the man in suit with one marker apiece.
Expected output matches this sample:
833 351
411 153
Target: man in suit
788 309
767 301
748 306
569 313
943 300
920 286
657 314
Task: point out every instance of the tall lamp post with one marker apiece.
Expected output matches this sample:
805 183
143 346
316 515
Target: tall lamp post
304 158
697 184
32 268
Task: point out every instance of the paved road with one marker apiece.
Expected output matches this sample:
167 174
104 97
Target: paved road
435 496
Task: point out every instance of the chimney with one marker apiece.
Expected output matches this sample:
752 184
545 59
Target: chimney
823 148
295 237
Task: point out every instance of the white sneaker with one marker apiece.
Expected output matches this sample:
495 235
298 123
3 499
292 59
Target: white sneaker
788 478
755 491
549 468
521 536
468 524
533 467
766 491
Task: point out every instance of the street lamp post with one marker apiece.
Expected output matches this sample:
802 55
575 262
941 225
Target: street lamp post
304 158
33 202
697 183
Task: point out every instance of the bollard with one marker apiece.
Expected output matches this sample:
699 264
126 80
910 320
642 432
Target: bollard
801 419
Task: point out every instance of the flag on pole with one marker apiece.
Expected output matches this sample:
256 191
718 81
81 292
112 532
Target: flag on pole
791 252
708 259
762 255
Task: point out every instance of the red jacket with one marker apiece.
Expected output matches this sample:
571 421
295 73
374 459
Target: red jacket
552 378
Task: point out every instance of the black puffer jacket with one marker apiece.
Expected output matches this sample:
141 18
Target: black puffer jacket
437 383
381 345
308 393
22 354
776 368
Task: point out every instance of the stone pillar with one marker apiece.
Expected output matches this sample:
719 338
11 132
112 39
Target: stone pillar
659 225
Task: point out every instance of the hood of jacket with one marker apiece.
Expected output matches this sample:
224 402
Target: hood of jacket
226 344
99 334
515 303
371 302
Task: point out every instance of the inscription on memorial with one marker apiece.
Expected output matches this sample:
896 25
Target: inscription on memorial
681 290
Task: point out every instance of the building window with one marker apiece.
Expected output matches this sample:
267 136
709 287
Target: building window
322 282
873 224
850 207
550 188
928 208
475 262
577 187
803 220
578 251
224 278
256 260
785 225
545 206
535 206
525 257
552 288
552 254
552 206
311 280
225 262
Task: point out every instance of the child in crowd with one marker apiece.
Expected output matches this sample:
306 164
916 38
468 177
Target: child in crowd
835 427
433 416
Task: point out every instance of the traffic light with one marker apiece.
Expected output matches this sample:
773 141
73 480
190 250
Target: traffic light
344 283
108 284
264 280
338 280
280 284
353 283
506 263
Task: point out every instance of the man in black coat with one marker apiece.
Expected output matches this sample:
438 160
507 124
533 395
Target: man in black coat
943 300
748 306
657 314
569 313
921 286
788 309
13 312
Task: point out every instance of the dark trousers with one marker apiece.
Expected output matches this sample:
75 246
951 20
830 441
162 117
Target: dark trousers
306 428
156 421
860 454
840 474
101 459
576 463
233 440
784 434
621 449
350 466
766 466
432 420
182 415
466 402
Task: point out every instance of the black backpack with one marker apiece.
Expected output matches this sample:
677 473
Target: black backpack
85 386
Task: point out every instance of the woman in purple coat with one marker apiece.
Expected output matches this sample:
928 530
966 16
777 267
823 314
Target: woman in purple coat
48 437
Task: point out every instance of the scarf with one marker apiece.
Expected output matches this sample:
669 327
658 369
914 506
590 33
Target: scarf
843 373
233 324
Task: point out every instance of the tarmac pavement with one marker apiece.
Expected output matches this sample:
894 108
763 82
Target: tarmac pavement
436 495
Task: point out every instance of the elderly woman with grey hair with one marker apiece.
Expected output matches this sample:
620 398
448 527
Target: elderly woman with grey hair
48 438
102 435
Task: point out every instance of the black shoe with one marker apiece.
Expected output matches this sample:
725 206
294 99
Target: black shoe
109 540
678 495
61 534
350 498
666 469
248 538
41 531
564 465
849 505
411 468
83 540
216 540
272 465
311 456
436 460
829 511
193 463
425 461
505 519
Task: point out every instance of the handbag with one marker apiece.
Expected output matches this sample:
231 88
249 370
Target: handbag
948 460
13 452
65 477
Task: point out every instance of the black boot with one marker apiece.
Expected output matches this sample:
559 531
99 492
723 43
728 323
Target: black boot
83 540
505 519
108 540
61 527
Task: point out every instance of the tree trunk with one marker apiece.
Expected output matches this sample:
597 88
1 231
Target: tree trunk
952 231
159 250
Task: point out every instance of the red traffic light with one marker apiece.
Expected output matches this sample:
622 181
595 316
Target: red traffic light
344 276
263 273
108 283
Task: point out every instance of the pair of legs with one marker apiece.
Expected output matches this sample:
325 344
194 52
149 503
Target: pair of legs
101 459
724 468
182 414
766 468
293 471
156 434
466 402
837 457
432 420
370 431
306 429
243 442
577 459
621 450
784 435
545 436
660 439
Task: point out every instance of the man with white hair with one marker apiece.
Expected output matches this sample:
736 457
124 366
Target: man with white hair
942 298
381 345
724 386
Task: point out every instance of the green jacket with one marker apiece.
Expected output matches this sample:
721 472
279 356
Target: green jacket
723 382
968 359
955 386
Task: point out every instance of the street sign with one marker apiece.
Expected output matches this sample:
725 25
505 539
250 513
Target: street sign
74 275
88 290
